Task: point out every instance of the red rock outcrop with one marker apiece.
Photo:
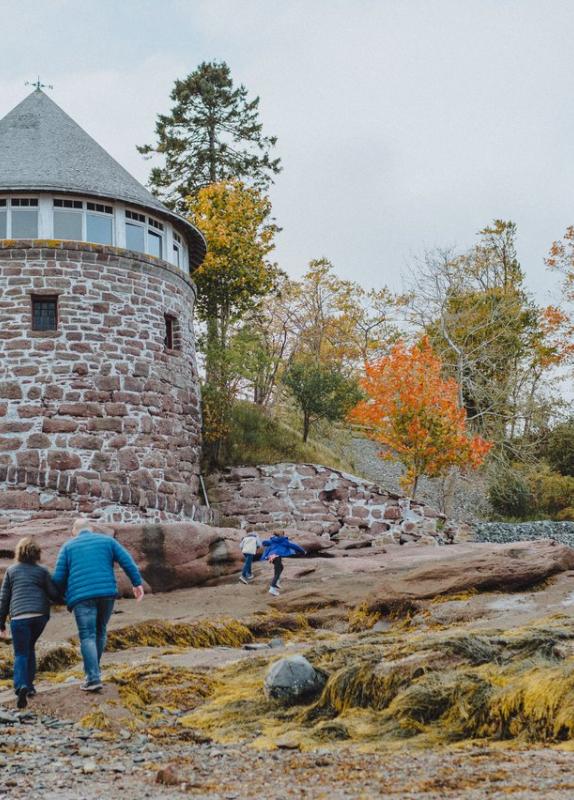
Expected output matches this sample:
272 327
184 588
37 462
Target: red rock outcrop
170 556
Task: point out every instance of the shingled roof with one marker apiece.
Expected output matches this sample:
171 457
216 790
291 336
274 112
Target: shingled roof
43 149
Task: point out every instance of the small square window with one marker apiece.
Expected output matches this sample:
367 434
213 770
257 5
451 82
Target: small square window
44 312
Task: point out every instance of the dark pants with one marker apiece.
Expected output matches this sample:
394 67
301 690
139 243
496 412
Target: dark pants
248 557
277 570
92 617
25 634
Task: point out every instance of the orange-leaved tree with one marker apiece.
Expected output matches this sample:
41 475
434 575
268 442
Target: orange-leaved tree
415 414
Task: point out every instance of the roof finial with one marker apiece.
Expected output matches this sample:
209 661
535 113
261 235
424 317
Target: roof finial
38 84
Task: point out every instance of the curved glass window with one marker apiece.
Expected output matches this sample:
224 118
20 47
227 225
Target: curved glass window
24 214
144 234
154 241
99 229
69 218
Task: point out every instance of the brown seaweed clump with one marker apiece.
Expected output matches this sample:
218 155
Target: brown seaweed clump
427 687
155 633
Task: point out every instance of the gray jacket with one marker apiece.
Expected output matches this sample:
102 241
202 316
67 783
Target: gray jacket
26 589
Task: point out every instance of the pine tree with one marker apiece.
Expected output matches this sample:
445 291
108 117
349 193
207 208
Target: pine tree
212 134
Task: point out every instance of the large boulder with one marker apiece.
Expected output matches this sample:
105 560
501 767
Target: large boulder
293 680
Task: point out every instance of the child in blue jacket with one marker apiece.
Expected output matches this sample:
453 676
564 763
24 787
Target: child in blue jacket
277 548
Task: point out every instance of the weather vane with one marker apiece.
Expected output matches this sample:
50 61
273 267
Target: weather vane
38 84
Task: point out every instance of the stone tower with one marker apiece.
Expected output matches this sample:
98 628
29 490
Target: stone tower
99 395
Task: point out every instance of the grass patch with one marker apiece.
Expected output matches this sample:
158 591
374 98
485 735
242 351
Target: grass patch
257 437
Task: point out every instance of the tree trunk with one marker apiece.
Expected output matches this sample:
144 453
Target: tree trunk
212 157
414 489
211 360
306 426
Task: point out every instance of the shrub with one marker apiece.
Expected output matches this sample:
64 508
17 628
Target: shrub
566 515
560 448
551 492
509 493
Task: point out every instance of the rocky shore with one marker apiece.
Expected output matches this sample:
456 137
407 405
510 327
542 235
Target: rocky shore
406 672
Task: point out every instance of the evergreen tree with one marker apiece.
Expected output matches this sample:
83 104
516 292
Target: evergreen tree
212 134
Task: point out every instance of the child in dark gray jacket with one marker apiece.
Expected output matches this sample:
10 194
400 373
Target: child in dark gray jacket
26 592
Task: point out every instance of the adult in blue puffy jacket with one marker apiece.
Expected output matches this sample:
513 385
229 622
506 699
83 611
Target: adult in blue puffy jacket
277 548
85 575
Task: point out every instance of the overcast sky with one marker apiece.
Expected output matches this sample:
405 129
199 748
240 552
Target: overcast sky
402 124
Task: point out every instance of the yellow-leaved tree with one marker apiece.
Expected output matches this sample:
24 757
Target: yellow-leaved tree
236 274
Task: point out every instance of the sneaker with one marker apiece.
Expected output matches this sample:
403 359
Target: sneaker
274 591
251 578
92 686
22 697
278 584
243 580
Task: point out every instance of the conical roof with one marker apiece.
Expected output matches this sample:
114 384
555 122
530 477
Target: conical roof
43 149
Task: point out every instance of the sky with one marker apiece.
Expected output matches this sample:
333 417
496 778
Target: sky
402 125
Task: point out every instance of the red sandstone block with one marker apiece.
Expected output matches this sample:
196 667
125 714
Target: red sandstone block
86 442
10 391
81 410
106 424
50 425
116 409
22 500
28 458
8 443
14 426
63 460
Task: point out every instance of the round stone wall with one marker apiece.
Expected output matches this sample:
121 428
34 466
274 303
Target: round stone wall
98 415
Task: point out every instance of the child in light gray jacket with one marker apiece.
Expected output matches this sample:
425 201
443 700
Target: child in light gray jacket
249 546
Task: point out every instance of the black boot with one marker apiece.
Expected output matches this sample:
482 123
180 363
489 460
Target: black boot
22 697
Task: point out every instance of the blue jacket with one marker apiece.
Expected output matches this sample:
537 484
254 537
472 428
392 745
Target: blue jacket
280 546
85 567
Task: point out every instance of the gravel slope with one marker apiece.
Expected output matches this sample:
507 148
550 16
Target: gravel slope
469 501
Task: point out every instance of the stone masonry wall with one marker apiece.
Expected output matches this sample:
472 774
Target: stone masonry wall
314 498
98 415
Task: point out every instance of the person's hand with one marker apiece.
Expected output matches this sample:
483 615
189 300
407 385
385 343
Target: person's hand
138 592
4 634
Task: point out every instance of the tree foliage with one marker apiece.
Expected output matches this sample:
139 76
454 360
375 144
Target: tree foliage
320 391
211 134
415 414
234 277
321 318
560 447
236 273
494 340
